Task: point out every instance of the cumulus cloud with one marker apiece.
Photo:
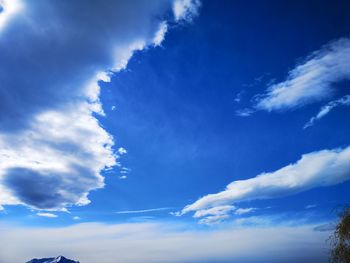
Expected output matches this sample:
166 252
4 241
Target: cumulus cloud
160 243
311 80
344 101
315 169
53 56
47 166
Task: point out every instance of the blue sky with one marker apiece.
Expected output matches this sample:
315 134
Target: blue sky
179 120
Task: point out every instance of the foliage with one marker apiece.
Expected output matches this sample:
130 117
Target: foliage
340 239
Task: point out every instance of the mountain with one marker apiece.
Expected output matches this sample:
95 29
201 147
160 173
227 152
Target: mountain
59 259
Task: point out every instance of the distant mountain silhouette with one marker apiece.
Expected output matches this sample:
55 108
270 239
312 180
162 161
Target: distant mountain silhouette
59 259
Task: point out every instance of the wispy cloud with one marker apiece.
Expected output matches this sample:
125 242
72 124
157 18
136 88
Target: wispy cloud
344 101
311 80
50 215
310 206
316 169
246 112
144 210
242 211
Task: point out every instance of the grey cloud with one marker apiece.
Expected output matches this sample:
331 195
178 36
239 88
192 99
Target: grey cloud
50 190
53 48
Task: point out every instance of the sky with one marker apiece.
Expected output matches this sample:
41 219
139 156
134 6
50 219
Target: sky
176 131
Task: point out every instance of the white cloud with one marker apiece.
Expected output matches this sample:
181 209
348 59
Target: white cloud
344 101
246 112
50 215
217 214
52 147
122 151
316 169
242 211
215 211
125 170
160 243
311 80
76 218
213 220
143 210
238 97
160 34
213 215
46 166
123 177
310 206
185 9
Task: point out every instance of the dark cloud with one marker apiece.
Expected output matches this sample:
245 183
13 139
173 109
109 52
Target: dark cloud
51 50
50 190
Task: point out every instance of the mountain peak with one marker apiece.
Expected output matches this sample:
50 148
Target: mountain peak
59 259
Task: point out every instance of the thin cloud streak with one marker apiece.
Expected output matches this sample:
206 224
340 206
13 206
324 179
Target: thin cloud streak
144 210
344 101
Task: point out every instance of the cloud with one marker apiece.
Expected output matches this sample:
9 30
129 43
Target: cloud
50 215
186 9
48 167
53 56
213 215
164 243
242 211
217 214
122 151
344 101
125 170
160 35
245 112
315 169
311 80
311 206
215 211
143 210
213 220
